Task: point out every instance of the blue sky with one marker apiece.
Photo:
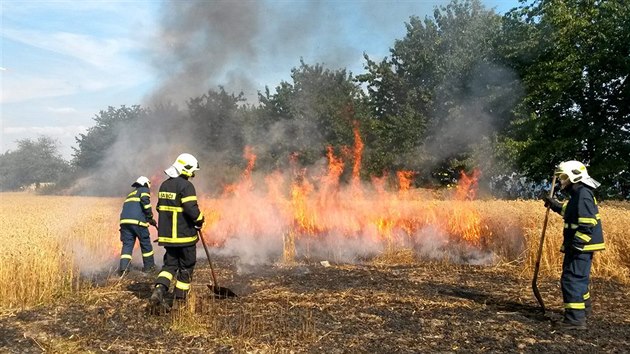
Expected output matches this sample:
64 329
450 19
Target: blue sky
64 61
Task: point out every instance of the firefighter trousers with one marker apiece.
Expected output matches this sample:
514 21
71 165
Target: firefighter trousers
576 270
128 235
179 263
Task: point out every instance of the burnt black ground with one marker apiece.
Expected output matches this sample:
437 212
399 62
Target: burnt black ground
412 308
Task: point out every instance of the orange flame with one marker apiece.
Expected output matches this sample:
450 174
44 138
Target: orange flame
315 207
467 186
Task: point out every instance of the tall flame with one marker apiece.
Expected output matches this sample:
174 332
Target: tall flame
296 211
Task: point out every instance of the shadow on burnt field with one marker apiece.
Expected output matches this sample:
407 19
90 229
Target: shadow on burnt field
493 301
365 308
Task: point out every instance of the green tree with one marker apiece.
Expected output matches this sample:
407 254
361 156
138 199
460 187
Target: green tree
218 124
93 145
442 94
33 162
574 60
315 110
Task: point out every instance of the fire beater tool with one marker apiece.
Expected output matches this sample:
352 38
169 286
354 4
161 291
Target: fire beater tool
219 291
540 249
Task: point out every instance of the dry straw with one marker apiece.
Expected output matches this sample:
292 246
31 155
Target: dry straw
53 243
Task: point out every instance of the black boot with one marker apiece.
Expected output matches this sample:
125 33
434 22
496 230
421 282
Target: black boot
564 324
157 297
588 307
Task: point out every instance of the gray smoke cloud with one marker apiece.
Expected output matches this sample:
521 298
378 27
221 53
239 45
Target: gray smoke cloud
235 44
241 46
473 117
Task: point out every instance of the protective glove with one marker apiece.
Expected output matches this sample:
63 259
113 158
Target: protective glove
199 224
152 222
552 203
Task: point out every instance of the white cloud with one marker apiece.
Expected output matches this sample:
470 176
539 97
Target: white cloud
69 130
65 135
62 63
62 110
26 87
98 52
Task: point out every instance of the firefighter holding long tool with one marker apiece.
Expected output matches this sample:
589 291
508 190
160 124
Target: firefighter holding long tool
135 218
582 236
180 218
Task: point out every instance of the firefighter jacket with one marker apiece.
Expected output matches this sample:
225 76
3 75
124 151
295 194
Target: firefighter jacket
179 213
137 208
582 223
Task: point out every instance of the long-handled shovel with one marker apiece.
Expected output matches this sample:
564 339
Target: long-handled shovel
219 291
540 249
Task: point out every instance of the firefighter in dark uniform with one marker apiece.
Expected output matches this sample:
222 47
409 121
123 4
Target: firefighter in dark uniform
135 218
582 236
180 218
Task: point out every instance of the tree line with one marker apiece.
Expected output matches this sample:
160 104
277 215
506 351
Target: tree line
465 88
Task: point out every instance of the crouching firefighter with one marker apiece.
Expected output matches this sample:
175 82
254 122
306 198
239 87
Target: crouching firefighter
135 218
582 236
180 218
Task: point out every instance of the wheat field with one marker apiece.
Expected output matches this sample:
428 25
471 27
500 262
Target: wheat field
55 244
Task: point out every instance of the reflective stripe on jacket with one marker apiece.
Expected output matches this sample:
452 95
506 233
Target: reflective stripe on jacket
582 222
137 208
179 212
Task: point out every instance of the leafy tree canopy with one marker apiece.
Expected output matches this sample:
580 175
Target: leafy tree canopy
33 162
442 92
93 145
574 60
315 110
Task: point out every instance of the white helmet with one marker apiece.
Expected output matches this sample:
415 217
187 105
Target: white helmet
185 164
576 172
141 181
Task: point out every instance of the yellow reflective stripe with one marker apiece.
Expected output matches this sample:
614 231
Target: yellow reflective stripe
148 206
587 296
182 162
132 193
145 195
134 222
200 216
574 305
598 217
134 199
183 286
125 256
583 237
148 254
595 200
594 247
177 240
189 199
587 221
564 208
170 208
174 226
165 274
